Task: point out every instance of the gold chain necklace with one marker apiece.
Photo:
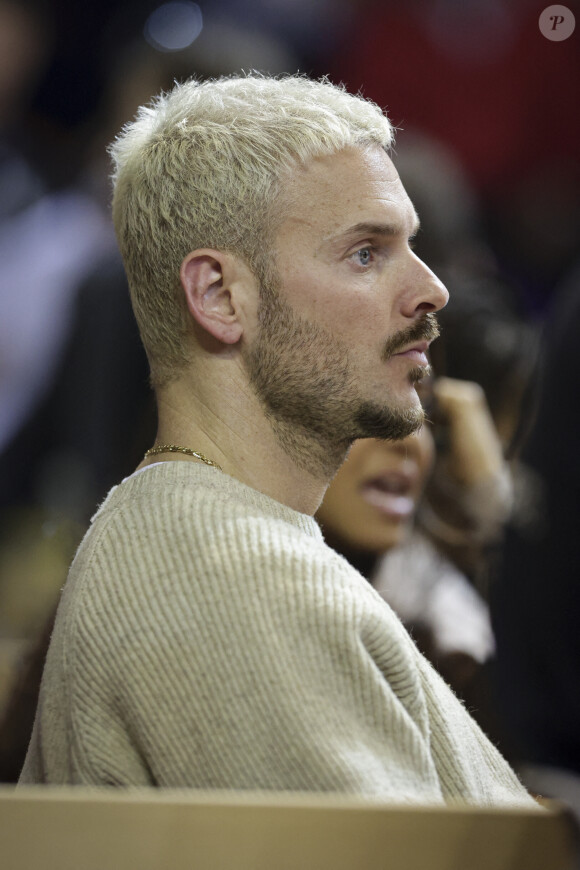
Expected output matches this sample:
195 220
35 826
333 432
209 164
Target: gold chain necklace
173 448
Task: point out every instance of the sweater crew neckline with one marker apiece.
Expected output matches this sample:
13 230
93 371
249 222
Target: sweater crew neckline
174 475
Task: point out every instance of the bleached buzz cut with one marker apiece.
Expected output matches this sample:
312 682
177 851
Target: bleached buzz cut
203 166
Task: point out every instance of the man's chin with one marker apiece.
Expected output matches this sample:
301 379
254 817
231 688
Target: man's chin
391 423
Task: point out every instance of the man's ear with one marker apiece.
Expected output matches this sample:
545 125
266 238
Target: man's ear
209 279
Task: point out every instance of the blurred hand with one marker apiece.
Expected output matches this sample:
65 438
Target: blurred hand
474 448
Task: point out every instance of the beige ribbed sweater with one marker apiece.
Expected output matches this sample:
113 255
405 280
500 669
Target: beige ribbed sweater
208 637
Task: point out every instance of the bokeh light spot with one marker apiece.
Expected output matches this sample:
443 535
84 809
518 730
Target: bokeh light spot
173 26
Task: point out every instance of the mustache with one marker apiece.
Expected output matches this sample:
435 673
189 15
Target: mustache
425 329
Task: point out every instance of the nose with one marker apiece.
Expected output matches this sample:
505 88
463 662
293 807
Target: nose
425 291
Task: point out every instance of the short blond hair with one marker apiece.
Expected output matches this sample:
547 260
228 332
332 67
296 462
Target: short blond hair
202 167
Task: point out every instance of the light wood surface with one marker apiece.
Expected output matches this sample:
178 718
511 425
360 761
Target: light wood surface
45 828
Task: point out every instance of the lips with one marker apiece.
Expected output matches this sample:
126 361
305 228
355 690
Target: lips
417 353
391 494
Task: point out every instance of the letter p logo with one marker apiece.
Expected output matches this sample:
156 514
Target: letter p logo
557 23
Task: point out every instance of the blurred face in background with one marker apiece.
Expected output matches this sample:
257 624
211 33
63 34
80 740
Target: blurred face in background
370 504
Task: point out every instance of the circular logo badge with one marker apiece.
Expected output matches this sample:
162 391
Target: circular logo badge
557 23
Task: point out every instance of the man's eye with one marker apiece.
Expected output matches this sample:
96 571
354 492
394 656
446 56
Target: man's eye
364 256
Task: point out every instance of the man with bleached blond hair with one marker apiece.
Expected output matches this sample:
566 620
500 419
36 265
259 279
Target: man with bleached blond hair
207 636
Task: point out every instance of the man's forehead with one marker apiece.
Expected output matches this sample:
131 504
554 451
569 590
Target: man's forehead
369 164
355 190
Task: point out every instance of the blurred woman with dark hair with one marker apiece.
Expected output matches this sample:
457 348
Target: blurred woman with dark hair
380 514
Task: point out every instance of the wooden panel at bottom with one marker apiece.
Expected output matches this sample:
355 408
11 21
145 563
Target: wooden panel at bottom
45 828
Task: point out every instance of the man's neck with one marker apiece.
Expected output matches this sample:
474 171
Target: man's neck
229 426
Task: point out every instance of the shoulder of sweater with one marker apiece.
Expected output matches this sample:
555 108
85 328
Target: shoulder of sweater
204 537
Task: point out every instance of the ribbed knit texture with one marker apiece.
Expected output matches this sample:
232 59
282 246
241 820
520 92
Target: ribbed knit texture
208 637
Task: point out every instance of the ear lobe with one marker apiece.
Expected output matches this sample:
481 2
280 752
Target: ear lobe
209 299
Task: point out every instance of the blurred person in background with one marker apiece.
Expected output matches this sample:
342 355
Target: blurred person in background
485 341
26 40
50 236
372 514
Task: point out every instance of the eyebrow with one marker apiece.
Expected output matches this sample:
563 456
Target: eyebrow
367 228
